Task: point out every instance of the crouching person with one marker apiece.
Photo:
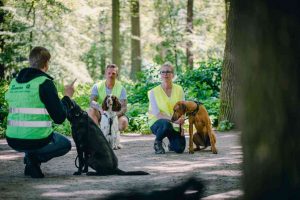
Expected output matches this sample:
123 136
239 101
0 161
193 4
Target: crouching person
33 101
162 99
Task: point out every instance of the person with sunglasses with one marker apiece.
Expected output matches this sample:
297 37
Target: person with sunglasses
162 99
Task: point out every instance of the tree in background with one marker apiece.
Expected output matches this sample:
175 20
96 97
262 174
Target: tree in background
266 50
229 85
116 56
136 59
2 16
189 30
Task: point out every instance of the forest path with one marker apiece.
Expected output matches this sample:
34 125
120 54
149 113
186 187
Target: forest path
221 172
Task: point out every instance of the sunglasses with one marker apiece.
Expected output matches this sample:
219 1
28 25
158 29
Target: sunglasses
166 72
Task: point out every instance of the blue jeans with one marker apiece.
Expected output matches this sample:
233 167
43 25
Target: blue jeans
163 128
58 146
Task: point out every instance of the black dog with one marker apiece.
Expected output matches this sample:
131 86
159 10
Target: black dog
192 189
92 148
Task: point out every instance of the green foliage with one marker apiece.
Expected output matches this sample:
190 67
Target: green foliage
82 98
3 107
201 84
225 125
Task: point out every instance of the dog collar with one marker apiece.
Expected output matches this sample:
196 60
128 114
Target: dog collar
193 113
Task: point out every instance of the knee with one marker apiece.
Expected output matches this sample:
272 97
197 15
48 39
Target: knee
123 123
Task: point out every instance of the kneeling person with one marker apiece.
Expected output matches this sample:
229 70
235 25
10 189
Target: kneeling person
33 101
105 87
162 99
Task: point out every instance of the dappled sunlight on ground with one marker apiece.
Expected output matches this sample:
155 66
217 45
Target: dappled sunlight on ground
221 172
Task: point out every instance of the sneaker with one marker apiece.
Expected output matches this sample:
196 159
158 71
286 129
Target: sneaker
170 148
158 147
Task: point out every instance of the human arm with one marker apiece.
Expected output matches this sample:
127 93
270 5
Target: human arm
123 101
55 107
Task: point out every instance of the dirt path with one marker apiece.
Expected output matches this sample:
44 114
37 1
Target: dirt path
221 172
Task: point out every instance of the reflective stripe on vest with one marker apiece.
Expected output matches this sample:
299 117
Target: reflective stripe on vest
116 90
29 123
164 103
41 111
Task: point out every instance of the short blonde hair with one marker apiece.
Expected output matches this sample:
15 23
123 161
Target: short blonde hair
167 64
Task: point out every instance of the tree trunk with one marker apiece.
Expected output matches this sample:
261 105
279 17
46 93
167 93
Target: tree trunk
228 83
136 60
116 56
2 42
266 53
189 30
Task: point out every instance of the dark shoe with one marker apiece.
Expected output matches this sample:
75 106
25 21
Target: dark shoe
158 147
170 148
33 168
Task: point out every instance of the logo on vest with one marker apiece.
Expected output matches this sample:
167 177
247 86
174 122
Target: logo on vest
27 86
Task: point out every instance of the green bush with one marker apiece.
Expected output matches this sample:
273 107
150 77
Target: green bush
201 84
3 107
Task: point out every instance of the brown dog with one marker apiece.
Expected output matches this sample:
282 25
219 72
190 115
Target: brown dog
199 118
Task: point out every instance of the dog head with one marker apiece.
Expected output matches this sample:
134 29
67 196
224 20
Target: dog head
179 109
73 109
111 102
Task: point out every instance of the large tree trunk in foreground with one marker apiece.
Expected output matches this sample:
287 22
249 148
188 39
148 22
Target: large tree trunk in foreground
228 85
266 50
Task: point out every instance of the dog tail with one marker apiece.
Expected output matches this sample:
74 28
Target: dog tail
129 173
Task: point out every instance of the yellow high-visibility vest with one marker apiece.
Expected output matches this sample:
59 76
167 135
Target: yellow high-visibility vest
165 104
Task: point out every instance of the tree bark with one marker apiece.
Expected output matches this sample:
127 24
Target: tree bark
2 42
116 56
266 52
228 83
189 30
136 60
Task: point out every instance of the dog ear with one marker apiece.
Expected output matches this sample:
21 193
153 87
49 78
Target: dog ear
104 104
183 107
116 104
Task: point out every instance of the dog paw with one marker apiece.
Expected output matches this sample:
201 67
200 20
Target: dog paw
214 150
191 151
77 173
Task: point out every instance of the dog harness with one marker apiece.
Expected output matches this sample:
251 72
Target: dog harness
28 117
110 121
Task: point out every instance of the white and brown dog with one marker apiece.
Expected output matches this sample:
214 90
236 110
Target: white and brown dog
109 121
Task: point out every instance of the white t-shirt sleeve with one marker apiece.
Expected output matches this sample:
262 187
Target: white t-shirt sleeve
123 95
152 101
94 92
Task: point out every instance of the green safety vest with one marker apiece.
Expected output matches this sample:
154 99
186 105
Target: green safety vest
117 89
165 104
28 117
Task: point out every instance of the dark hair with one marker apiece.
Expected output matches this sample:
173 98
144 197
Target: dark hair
114 66
38 57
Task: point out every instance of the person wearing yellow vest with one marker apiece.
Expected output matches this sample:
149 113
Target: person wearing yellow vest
109 86
33 104
162 99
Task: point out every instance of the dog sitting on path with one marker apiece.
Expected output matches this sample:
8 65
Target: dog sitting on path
92 148
109 121
198 117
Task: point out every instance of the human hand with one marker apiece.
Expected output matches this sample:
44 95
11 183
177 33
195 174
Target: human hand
180 121
69 89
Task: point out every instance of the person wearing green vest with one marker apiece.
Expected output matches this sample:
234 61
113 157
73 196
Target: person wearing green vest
162 99
109 86
33 105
